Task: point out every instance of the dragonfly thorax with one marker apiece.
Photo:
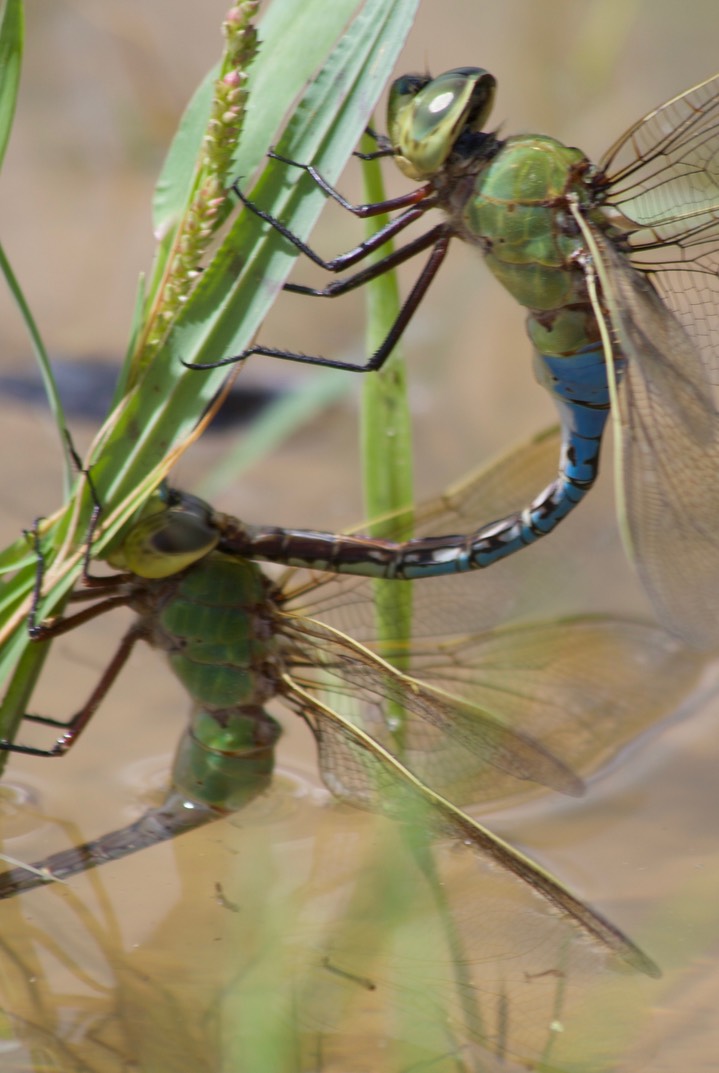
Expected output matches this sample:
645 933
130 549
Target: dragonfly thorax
216 624
517 213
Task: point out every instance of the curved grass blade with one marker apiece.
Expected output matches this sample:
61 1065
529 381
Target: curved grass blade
12 39
148 430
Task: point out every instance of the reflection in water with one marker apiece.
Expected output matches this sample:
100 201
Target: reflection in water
300 935
341 941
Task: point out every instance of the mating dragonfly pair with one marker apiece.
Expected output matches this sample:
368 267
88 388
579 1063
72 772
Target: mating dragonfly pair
617 265
568 240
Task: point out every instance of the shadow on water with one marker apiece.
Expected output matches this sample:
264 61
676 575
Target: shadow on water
86 390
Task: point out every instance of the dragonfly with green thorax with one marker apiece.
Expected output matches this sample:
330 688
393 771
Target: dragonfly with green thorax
617 265
482 714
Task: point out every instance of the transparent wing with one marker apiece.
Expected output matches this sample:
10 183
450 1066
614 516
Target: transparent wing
531 702
444 741
384 784
663 174
580 687
668 454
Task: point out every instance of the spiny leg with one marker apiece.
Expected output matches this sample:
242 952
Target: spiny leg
100 586
45 631
367 210
369 245
89 580
110 589
77 723
415 203
439 238
373 271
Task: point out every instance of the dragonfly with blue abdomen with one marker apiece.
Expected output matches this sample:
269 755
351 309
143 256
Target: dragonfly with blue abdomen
618 267
532 701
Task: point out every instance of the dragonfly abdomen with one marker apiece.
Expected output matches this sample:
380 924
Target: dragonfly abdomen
225 758
212 621
579 386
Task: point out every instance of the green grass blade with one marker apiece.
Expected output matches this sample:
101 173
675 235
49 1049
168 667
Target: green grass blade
144 435
386 444
12 34
174 185
227 307
43 361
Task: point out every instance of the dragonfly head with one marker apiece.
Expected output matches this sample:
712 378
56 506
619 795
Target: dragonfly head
173 531
426 116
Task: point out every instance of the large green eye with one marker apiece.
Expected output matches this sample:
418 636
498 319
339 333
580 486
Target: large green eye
425 117
167 539
401 94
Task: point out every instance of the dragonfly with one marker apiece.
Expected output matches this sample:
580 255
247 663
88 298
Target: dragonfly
483 713
617 265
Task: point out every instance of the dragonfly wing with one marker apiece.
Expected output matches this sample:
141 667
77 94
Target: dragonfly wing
662 176
383 783
441 737
495 490
583 686
668 448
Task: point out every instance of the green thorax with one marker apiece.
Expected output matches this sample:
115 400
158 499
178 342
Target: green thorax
517 213
217 619
214 615
216 622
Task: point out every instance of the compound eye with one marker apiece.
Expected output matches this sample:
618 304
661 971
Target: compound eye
424 125
166 541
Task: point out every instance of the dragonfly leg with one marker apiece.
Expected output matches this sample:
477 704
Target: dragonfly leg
366 211
88 579
351 257
100 586
76 724
38 630
91 581
376 154
373 271
394 335
46 631
415 204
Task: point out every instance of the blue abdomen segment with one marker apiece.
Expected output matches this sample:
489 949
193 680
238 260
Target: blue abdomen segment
579 386
581 394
